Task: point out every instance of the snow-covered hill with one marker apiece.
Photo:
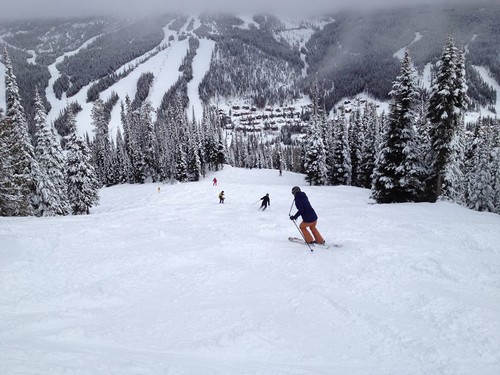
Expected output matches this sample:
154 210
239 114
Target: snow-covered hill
286 40
170 281
165 67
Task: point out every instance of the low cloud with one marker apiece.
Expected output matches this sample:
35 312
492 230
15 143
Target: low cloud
71 8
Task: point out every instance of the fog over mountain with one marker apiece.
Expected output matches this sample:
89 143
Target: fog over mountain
69 8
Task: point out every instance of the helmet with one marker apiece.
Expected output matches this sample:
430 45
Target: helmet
295 189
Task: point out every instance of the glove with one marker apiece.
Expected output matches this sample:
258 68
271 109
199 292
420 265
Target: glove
292 217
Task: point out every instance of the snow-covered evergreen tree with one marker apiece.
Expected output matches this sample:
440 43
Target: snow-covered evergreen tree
194 152
278 161
53 199
124 173
398 170
136 152
21 176
81 178
315 154
453 186
180 164
10 194
481 193
496 165
370 145
149 136
220 157
357 135
101 145
447 101
341 170
425 153
214 149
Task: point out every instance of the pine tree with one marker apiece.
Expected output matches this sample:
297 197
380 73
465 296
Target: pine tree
453 187
425 153
369 146
447 101
398 172
124 173
341 169
315 155
314 147
10 194
180 164
82 181
496 165
481 196
21 175
220 155
53 199
356 140
194 153
101 145
149 136
136 151
213 143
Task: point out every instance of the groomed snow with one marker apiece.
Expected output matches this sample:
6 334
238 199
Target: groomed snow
172 282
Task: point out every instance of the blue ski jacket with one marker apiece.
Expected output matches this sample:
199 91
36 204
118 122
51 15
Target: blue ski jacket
304 208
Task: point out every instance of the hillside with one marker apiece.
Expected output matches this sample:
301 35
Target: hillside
262 61
170 281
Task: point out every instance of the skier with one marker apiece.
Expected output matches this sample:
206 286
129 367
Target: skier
214 182
280 172
309 217
221 197
265 201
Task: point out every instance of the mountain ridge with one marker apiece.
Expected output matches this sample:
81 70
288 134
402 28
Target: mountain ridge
261 59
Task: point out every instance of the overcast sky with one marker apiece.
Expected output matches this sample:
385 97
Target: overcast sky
57 8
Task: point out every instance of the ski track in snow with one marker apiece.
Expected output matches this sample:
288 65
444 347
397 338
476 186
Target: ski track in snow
201 64
175 283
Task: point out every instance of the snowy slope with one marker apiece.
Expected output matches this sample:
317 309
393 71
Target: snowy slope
486 76
172 282
164 66
201 64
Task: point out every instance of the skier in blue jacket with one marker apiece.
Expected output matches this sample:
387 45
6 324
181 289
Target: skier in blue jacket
309 217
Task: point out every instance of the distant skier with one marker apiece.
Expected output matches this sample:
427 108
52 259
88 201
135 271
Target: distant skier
309 217
280 172
221 197
265 201
214 182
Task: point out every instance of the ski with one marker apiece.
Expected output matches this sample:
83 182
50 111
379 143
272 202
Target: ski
302 242
299 241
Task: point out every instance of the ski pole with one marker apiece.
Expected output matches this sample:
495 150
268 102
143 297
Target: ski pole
254 203
290 212
302 235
